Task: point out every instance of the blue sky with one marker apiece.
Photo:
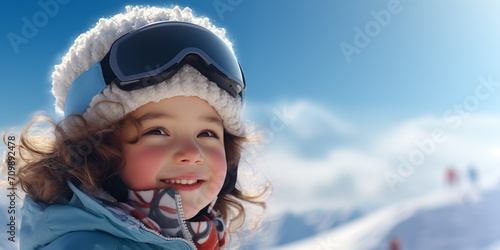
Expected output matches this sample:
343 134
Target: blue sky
364 110
289 51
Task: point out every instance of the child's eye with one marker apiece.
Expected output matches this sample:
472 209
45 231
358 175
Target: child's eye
156 131
208 133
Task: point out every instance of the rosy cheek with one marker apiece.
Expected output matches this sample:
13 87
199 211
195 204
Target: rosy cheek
149 156
220 162
142 166
218 165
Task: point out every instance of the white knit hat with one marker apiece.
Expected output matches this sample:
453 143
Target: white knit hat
92 46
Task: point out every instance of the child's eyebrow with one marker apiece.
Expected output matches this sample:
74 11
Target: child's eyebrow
150 116
208 118
212 119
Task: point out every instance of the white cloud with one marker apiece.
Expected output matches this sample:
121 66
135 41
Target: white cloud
353 176
311 119
304 118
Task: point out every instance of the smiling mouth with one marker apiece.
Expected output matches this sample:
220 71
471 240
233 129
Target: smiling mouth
183 182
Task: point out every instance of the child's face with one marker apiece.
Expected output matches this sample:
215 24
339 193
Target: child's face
181 141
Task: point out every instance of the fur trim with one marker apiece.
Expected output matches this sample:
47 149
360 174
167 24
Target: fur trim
186 82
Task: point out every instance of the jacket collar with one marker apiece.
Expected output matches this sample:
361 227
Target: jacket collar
43 223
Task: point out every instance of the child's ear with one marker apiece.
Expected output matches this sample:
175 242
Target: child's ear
116 188
230 181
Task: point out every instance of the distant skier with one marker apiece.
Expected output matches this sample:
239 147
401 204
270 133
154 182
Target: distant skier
452 177
472 173
395 244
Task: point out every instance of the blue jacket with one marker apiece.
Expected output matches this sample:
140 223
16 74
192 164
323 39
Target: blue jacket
83 223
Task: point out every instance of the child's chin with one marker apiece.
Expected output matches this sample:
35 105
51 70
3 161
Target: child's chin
189 213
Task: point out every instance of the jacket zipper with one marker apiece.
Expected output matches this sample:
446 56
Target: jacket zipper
184 229
189 242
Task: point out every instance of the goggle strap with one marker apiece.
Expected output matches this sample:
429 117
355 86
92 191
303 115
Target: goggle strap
108 74
202 61
212 73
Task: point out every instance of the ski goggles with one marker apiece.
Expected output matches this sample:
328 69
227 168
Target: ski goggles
153 54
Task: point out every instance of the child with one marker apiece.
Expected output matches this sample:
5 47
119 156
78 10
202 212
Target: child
147 155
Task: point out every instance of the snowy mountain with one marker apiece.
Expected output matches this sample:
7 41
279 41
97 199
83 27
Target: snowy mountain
291 227
448 219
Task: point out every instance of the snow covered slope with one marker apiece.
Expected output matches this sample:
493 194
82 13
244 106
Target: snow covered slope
291 227
449 219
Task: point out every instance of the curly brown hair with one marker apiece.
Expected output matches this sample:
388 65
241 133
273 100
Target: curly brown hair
90 155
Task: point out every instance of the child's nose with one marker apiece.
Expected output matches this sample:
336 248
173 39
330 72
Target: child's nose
188 152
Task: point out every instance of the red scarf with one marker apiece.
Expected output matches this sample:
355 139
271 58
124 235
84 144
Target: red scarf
161 210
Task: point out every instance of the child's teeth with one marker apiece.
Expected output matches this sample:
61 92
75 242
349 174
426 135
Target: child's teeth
188 182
